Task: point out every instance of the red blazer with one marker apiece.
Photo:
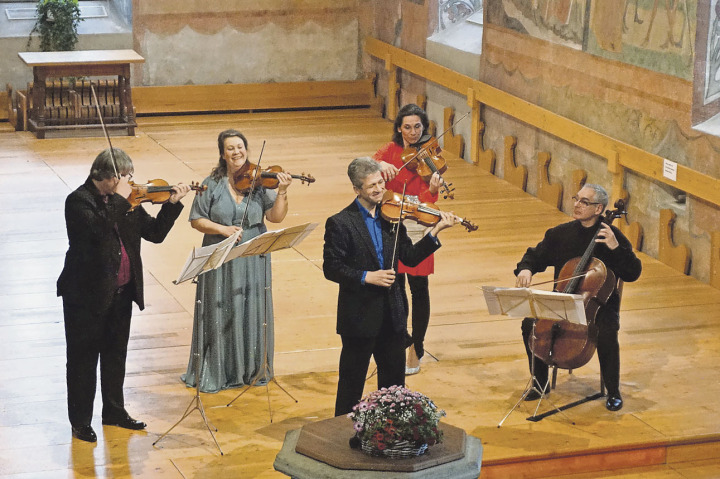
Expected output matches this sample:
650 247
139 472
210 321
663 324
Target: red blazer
416 186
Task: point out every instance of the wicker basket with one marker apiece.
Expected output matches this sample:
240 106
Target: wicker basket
401 450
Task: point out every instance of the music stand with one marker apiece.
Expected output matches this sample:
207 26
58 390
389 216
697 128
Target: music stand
263 245
200 261
535 304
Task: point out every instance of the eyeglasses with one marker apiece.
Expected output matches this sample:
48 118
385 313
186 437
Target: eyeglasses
129 176
584 201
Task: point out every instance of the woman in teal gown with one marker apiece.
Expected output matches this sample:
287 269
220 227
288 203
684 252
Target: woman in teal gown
233 301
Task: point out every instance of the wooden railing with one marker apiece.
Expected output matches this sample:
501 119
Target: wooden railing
619 155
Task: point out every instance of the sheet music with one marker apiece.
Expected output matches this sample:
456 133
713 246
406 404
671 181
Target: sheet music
206 258
222 249
525 302
491 299
272 241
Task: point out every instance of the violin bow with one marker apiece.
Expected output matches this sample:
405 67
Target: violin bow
107 137
424 148
397 226
555 281
252 188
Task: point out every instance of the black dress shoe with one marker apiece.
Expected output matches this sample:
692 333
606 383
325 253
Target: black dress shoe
84 433
127 422
614 402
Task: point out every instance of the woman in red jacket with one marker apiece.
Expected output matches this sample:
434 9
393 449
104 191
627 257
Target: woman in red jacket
410 125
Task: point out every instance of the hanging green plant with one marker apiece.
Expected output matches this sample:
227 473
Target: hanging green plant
57 22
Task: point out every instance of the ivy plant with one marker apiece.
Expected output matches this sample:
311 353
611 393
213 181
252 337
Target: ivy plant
57 22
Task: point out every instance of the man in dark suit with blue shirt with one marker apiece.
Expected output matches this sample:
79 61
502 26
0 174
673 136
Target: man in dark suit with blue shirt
372 308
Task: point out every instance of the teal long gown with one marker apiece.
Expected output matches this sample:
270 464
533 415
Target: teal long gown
232 301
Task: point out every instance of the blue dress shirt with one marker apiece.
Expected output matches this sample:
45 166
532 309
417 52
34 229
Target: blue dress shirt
373 226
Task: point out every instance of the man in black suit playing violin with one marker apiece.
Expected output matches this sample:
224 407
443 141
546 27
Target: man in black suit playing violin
372 309
101 278
570 240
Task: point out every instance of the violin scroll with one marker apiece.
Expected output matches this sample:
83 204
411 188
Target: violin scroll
426 160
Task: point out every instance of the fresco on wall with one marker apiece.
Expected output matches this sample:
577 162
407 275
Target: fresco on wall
452 12
557 21
712 66
653 34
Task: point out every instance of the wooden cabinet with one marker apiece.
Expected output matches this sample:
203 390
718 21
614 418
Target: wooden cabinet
59 104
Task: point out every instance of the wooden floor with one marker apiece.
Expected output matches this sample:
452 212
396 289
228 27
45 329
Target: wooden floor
670 346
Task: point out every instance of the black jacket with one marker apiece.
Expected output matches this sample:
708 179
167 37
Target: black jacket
348 252
569 240
93 258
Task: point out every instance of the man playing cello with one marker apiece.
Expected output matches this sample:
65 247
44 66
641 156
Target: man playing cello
570 240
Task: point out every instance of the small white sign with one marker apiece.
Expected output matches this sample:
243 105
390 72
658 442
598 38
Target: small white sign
670 169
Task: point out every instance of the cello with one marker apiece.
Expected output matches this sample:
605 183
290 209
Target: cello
569 345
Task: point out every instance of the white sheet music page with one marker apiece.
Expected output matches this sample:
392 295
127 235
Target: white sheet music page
491 299
508 301
272 241
221 251
559 306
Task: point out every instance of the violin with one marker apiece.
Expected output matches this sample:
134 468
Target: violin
156 191
395 207
571 345
248 177
426 160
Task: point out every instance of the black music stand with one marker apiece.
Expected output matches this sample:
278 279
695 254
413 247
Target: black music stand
263 245
200 261
535 304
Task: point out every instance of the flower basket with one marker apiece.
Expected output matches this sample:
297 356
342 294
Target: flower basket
400 450
396 422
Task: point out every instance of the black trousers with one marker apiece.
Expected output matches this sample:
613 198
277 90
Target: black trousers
420 301
91 335
608 351
388 349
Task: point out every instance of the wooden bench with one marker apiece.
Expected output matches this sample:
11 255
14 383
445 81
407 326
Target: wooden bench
254 96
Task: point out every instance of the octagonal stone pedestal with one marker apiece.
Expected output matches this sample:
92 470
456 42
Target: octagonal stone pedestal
320 450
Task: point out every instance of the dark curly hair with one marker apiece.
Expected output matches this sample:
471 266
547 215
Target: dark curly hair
408 110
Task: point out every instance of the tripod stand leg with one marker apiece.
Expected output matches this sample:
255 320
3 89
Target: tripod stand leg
432 355
528 388
534 385
196 402
283 389
264 370
207 425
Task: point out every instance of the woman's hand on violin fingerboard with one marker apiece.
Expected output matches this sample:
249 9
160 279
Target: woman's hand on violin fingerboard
435 182
388 171
381 277
524 278
179 191
284 180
